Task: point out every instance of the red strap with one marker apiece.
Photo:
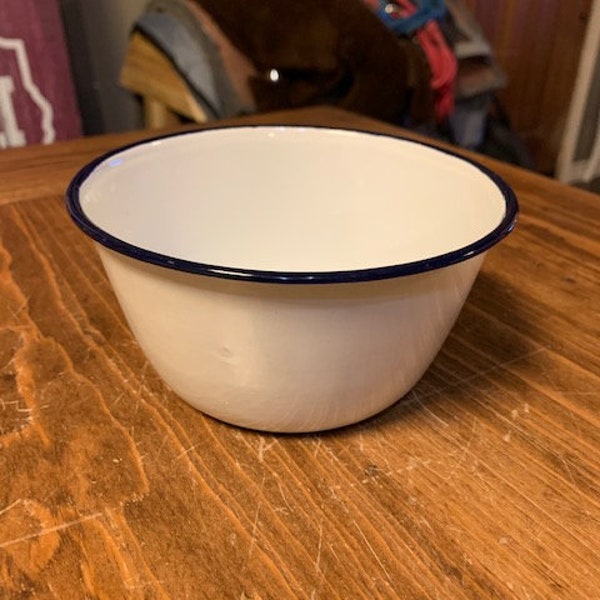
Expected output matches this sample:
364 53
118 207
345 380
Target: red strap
440 57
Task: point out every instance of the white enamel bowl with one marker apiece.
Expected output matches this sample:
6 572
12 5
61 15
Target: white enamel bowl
290 278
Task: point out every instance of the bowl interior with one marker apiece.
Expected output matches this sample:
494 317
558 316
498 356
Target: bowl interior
291 199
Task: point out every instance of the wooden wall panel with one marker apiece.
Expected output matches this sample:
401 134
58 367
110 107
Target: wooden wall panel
537 43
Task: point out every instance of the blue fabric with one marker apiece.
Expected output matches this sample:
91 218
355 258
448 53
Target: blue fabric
427 10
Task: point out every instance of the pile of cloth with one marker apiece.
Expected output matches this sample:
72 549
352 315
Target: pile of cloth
464 74
410 62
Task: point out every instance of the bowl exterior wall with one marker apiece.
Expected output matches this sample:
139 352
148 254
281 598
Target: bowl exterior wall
288 358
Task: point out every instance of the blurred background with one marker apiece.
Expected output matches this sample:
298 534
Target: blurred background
97 33
515 79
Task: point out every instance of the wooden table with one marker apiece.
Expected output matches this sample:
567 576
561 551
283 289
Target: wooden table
484 482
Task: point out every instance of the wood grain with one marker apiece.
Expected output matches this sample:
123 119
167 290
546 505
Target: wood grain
537 44
148 72
482 483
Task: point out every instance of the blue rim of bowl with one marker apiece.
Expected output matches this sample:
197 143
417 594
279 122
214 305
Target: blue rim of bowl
104 238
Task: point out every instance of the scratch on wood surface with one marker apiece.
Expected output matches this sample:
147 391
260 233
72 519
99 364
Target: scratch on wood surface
427 410
414 462
17 406
255 523
474 376
361 442
319 547
254 531
187 451
289 508
163 443
502 364
568 470
464 452
48 530
263 448
143 584
10 506
253 596
372 550
317 446
333 552
15 313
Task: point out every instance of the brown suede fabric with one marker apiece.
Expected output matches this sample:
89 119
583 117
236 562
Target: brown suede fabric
327 52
